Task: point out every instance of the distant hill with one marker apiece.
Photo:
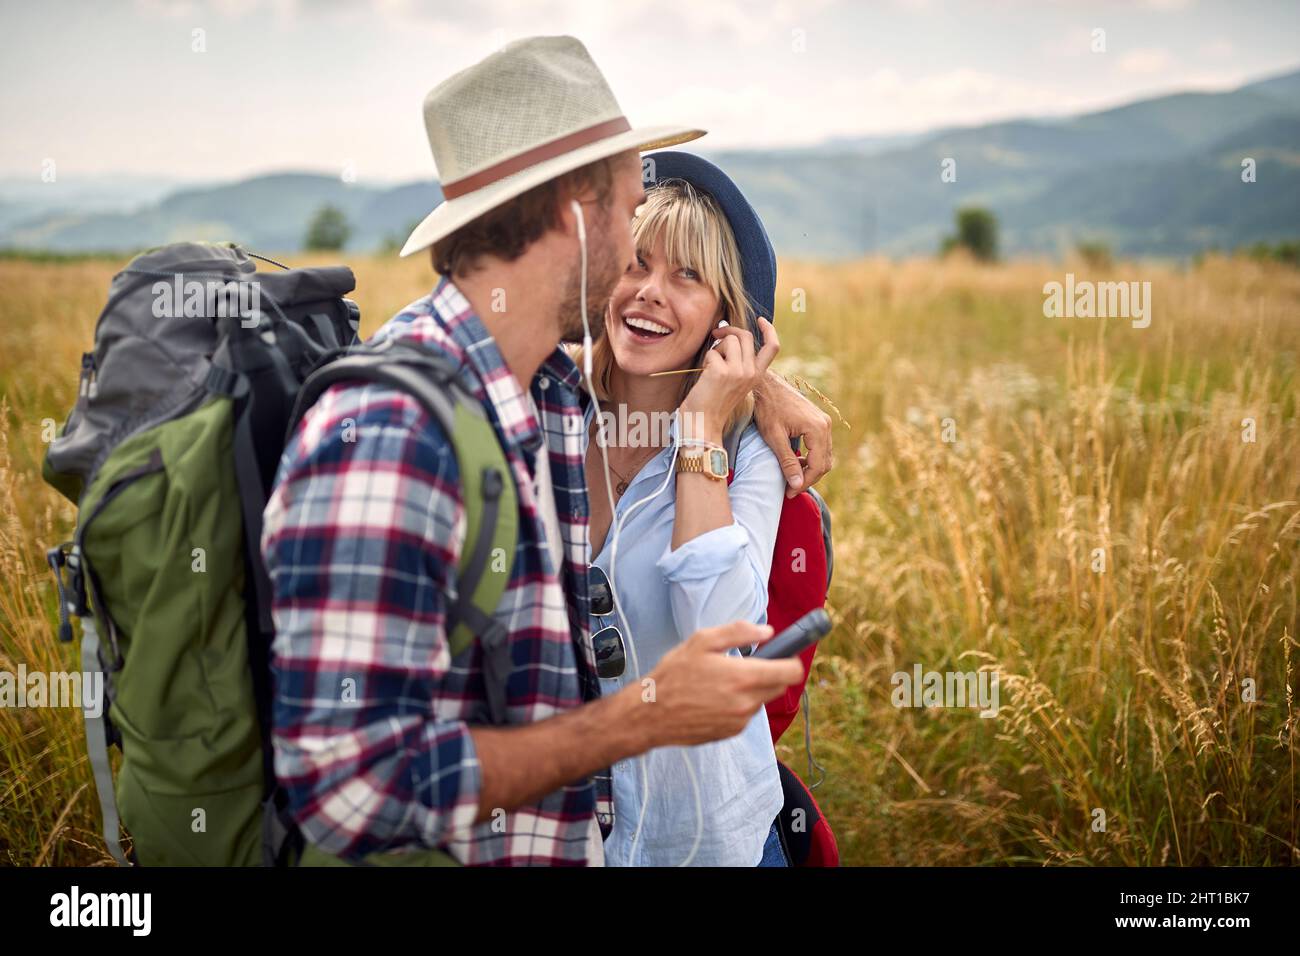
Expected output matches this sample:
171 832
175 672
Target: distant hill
265 212
1158 177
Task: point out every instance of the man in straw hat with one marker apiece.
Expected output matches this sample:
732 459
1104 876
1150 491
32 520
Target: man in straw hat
365 527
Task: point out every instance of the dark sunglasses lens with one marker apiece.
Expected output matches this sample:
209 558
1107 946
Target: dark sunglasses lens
599 593
610 659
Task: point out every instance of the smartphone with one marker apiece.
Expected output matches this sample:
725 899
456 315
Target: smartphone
805 632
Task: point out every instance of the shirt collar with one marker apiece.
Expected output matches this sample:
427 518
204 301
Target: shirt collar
498 383
561 367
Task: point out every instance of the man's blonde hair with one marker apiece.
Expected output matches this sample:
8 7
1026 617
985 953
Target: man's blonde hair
695 234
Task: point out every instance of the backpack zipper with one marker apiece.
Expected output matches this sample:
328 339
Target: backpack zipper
80 568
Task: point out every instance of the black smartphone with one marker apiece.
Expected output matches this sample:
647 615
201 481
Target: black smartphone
806 631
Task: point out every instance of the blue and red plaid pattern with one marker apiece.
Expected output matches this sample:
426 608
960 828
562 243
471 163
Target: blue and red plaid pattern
363 533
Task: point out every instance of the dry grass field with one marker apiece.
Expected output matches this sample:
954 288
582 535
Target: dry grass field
1076 505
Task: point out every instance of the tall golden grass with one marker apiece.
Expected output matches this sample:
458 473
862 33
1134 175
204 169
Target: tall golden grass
1072 442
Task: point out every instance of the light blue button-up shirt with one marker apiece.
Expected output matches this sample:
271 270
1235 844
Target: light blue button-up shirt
663 596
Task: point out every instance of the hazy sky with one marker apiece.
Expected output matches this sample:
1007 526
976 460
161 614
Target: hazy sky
116 86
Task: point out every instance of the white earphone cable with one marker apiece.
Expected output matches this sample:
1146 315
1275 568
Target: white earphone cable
642 759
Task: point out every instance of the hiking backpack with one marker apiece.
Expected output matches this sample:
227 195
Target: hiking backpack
200 370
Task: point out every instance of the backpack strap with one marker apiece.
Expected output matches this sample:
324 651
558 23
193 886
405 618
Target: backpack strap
826 534
488 492
731 440
97 747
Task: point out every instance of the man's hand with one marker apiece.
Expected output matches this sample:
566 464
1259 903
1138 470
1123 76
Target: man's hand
697 694
782 413
701 694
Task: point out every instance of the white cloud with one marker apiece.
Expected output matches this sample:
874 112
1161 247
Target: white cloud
199 10
758 112
977 96
1145 61
161 8
1077 41
1216 81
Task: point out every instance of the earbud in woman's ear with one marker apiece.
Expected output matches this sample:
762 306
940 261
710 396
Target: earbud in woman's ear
721 323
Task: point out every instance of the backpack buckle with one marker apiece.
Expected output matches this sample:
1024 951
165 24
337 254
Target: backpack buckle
71 588
497 665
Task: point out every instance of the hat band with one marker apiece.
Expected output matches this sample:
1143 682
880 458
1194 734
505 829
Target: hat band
531 157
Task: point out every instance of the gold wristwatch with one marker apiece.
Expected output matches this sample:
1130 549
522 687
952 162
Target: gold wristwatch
710 460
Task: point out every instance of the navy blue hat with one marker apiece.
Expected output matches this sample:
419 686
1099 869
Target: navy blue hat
757 257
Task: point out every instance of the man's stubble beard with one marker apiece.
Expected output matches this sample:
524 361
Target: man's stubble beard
602 275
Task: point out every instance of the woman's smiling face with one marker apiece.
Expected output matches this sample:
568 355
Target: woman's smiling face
660 314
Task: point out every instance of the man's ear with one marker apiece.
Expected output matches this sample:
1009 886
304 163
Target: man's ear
565 221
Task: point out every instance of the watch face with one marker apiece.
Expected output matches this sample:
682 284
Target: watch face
717 461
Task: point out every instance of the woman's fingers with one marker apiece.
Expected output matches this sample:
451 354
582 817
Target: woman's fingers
730 331
744 340
730 348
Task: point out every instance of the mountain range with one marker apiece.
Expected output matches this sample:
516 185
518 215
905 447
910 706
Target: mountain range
1159 177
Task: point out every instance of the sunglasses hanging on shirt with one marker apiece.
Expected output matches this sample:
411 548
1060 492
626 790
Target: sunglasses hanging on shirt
611 658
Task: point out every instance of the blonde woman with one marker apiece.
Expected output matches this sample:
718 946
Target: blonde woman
690 551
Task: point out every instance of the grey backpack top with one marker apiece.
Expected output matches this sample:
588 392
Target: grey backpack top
155 339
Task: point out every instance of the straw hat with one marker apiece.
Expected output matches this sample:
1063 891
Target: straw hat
533 110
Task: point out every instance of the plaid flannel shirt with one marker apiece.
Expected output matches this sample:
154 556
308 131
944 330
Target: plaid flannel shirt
363 533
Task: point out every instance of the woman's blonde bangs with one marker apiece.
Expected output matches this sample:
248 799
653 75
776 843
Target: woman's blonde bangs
694 233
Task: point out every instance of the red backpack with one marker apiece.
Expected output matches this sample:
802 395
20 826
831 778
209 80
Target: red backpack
802 563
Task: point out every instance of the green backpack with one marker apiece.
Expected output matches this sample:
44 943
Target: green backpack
201 369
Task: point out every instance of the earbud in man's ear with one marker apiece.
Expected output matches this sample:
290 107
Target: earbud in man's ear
586 326
577 212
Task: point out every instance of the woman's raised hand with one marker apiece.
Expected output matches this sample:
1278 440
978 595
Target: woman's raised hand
731 371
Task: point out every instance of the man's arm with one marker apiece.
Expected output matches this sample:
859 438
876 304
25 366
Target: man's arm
695 695
782 413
